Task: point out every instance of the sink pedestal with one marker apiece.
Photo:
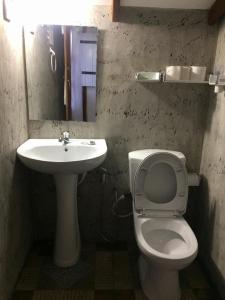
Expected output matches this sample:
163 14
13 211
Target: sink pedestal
67 240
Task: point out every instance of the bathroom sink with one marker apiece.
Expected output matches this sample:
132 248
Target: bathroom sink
64 160
51 156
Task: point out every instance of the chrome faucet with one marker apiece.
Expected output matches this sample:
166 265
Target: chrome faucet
65 138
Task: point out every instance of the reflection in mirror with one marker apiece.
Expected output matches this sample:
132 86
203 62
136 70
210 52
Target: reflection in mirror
61 64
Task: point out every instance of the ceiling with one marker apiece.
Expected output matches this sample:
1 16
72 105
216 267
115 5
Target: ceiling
176 4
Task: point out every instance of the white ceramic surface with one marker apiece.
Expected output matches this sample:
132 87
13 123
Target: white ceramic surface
67 238
167 244
65 162
136 157
51 156
160 185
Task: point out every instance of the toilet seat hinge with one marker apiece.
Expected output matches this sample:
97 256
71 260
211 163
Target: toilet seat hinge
140 211
161 214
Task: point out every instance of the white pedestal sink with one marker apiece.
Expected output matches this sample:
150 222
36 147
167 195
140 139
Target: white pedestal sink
64 162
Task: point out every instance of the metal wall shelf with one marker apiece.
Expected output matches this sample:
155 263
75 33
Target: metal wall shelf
159 77
186 81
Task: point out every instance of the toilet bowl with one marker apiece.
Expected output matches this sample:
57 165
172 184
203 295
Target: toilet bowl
159 187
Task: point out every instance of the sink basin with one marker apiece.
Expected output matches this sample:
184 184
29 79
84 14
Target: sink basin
65 162
51 156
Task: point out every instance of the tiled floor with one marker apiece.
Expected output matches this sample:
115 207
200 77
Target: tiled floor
103 273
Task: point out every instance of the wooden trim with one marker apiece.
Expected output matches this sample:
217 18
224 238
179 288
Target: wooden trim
6 12
115 10
216 12
84 98
67 71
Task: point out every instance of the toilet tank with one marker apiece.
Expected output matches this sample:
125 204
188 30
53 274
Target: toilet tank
136 157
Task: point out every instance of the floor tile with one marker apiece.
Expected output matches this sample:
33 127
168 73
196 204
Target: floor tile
187 294
111 247
87 250
63 295
88 256
206 294
114 295
23 295
124 295
104 295
29 276
195 277
104 270
122 272
139 295
133 266
102 273
79 276
33 262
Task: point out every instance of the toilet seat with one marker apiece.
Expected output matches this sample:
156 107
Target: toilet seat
161 186
166 239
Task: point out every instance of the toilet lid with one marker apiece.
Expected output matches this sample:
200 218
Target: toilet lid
161 185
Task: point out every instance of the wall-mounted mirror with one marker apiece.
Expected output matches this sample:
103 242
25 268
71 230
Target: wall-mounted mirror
61 66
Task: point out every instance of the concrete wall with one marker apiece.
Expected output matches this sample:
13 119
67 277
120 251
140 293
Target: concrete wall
132 115
212 205
15 227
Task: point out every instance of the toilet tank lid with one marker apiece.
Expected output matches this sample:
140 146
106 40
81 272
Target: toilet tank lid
142 154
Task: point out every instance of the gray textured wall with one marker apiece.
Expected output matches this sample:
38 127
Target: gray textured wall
132 115
212 205
15 224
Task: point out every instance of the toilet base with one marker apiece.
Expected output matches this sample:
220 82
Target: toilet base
158 283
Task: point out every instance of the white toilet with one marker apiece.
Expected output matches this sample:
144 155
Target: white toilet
159 186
